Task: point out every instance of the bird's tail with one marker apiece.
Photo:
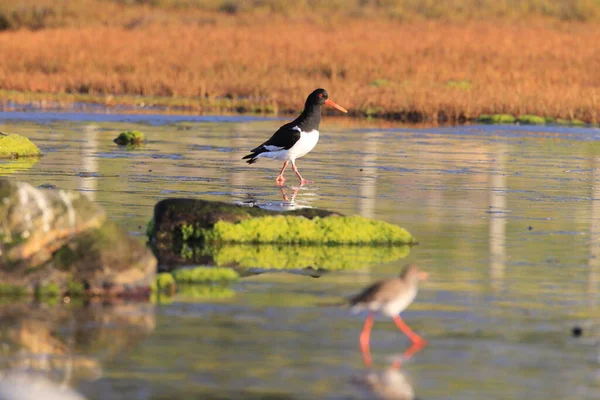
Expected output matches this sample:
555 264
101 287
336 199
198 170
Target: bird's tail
253 157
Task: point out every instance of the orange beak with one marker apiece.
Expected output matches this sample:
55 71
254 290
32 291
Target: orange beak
334 105
423 275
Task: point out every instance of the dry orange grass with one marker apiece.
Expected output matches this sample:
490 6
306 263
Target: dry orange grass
368 66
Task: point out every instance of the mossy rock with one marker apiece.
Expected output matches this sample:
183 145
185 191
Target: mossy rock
205 275
130 137
15 146
576 122
285 229
191 220
496 119
329 258
164 282
531 120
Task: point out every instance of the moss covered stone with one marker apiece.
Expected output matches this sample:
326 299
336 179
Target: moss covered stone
496 119
164 282
330 258
130 137
205 275
14 146
285 229
531 120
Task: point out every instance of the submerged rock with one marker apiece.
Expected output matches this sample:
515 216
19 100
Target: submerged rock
55 242
15 146
129 137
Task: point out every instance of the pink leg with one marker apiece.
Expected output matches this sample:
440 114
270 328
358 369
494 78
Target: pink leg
365 337
302 180
408 332
280 179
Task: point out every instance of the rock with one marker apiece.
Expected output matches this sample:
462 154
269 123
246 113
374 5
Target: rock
56 242
218 223
15 146
130 137
185 231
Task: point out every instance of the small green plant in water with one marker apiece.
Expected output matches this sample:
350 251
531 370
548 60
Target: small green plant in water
130 137
205 275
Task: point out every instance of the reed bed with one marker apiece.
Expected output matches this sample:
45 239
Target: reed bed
426 69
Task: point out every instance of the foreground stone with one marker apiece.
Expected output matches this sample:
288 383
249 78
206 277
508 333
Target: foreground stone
55 242
15 146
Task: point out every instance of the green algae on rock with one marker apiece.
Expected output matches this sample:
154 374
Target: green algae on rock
330 258
285 229
15 146
191 220
496 119
205 275
129 137
531 120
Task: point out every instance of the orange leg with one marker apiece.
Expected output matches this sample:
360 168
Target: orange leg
365 337
411 351
408 332
302 180
280 179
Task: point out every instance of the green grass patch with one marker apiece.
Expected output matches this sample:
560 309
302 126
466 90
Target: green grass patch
462 84
205 275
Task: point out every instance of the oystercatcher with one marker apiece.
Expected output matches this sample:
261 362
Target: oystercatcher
390 297
297 138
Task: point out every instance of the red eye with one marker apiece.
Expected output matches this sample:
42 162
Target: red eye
320 94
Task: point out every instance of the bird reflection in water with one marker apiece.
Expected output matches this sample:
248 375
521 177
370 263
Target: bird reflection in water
389 383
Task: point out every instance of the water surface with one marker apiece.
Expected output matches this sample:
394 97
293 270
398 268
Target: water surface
508 220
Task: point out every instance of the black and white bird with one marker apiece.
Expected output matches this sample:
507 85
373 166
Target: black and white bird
297 138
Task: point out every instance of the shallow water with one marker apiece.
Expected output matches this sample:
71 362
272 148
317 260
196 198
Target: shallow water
508 220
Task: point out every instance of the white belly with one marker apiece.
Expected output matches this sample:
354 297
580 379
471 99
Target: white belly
307 142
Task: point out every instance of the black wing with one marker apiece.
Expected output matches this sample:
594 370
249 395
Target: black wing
284 138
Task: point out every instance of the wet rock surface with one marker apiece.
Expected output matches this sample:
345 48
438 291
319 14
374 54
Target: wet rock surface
61 242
